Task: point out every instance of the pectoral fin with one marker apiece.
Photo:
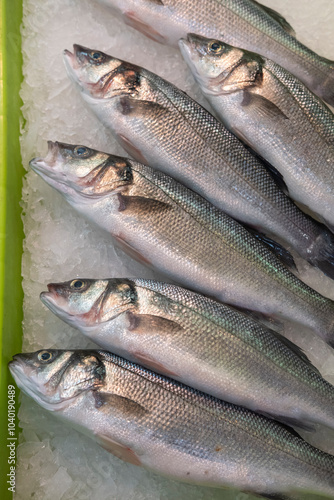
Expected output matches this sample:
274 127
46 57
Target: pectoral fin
120 451
143 323
278 18
106 401
262 107
152 364
138 205
129 105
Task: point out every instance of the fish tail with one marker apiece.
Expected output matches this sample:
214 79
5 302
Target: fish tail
326 87
321 254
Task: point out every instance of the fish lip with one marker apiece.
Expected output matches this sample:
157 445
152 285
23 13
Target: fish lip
184 44
72 67
17 369
188 54
48 163
48 299
74 62
45 168
192 55
31 387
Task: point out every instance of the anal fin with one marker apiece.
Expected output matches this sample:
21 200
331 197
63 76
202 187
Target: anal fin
132 19
118 450
153 364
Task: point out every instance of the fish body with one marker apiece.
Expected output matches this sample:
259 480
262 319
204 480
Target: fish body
172 229
161 126
275 114
195 340
241 23
155 422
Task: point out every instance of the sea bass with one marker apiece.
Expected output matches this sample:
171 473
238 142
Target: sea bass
172 229
169 428
161 126
242 23
274 113
202 343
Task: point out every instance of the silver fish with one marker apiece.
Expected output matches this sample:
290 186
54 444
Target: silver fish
172 229
169 428
242 23
274 113
199 342
161 126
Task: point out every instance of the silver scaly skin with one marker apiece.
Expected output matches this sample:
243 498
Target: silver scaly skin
169 428
242 23
162 127
274 113
197 341
172 229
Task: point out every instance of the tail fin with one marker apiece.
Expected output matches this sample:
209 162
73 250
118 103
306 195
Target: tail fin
326 88
322 253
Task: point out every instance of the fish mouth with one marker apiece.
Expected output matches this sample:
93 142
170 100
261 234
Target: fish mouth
72 66
58 305
76 65
191 56
51 300
26 380
47 169
193 51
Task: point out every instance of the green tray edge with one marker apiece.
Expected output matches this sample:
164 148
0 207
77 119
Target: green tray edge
11 229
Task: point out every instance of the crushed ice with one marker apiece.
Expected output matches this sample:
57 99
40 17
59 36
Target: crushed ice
55 462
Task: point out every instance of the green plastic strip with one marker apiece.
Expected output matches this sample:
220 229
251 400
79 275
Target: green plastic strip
11 231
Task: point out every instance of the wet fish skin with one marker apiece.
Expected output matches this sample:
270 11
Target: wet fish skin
161 126
242 23
169 428
274 113
172 229
197 341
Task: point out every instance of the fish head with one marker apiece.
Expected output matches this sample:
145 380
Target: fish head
81 173
53 378
86 303
100 76
218 67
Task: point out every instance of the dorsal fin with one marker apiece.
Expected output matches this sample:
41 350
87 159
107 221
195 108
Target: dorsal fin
278 18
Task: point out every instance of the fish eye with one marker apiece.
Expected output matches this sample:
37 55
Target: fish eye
215 47
44 356
78 284
82 151
97 56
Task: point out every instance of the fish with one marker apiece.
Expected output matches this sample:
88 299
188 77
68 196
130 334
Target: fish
161 126
168 227
152 421
274 113
243 23
199 342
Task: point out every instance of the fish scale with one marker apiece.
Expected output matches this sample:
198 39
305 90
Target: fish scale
242 23
198 341
161 126
275 114
169 428
182 235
